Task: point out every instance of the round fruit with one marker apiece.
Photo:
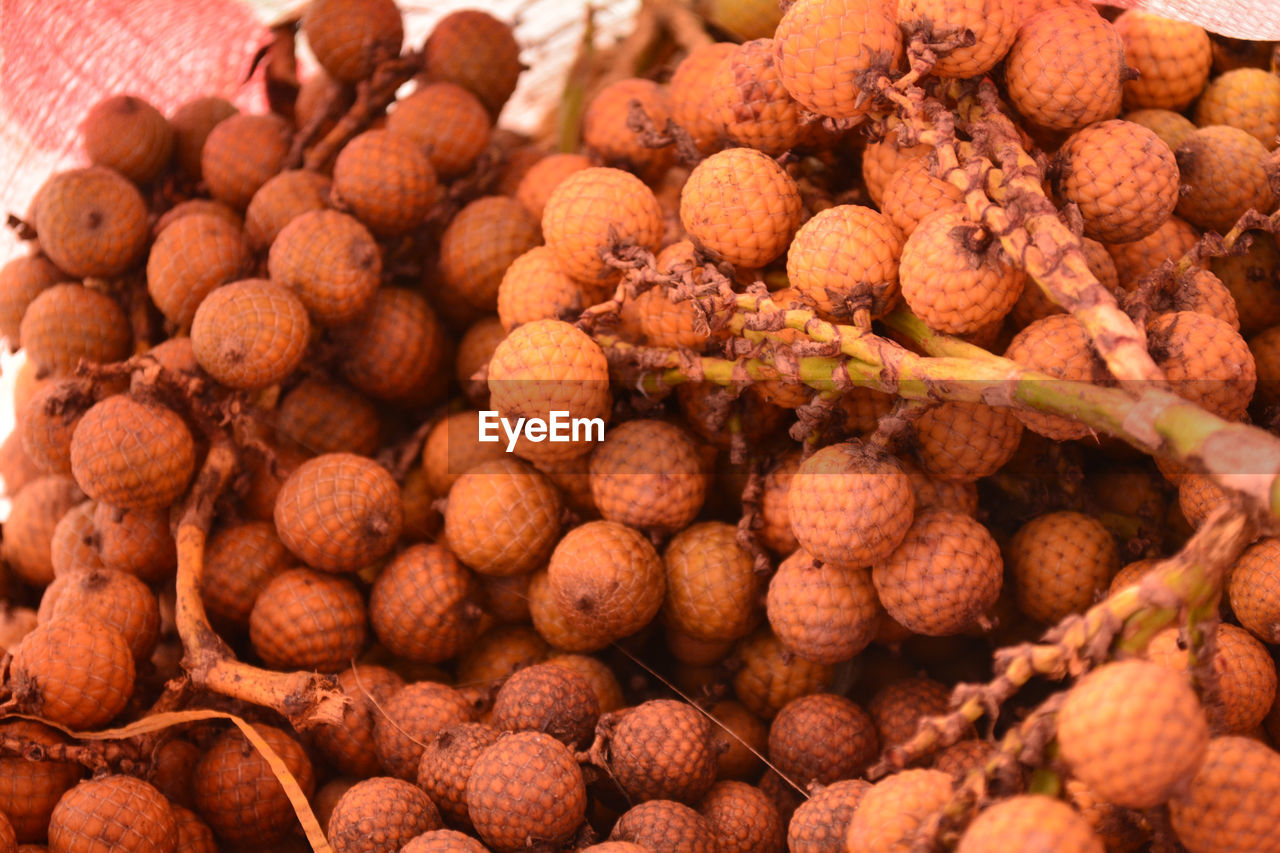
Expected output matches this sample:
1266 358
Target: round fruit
113 813
820 611
740 206
476 51
744 818
607 579
1173 59
993 23
527 785
92 222
661 750
503 517
237 792
1059 562
821 822
595 210
250 334
422 605
331 261
769 676
551 699
76 671
68 323
647 474
1229 806
280 201
241 153
1223 174
845 259
305 619
1205 360
29 790
350 38
349 745
447 122
446 765
411 718
894 809
746 99
1028 822
822 738
378 814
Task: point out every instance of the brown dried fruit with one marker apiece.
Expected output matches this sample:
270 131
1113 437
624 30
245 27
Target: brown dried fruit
607 579
378 814
350 38
125 133
250 334
548 698
239 561
476 51
280 201
349 745
113 813
410 718
770 676
822 738
66 323
503 517
666 825
385 181
1230 805
893 810
241 153
821 822
76 671
526 785
309 620
331 261
92 222
116 599
660 750
132 454
34 514
820 611
29 790
743 818
237 792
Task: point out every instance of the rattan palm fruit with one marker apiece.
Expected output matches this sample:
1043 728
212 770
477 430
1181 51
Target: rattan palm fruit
1223 169
606 132
1201 291
193 834
1229 807
1205 360
712 591
598 209
250 334
665 824
380 813
310 620
191 123
500 651
913 192
280 200
1247 98
129 135
1253 589
331 261
775 532
660 750
239 561
319 416
422 605
386 181
1057 345
544 176
1173 59
822 738
76 671
398 351
476 51
91 221
1254 281
898 707
664 321
550 366
881 161
850 504
1168 242
1122 177
647 474
351 37
1265 346
116 599
443 841
1030 822
894 810
844 259
503 517
966 441
132 454
453 447
192 257
748 102
526 785
1171 127
743 818
448 123
21 280
1246 676
994 23
943 577
821 822
607 579
113 813
1059 562
410 718
241 153
828 50
955 276
48 421
1133 732
471 360
741 207
965 756
693 99
820 611
67 323
29 790
33 517
480 243
534 288
338 512
1066 68
446 764
72 549
769 675
740 738
237 793
349 745
548 698
598 675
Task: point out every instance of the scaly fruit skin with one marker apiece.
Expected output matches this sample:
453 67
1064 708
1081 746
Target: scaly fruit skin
898 707
1030 822
125 133
349 745
446 764
712 589
1066 68
33 518
882 159
1059 562
503 517
1246 676
892 811
239 561
1123 178
846 258
1171 127
1135 259
281 200
1247 98
66 323
750 104
237 793
744 818
1060 346
351 37
770 676
551 699
92 222
386 181
113 813
132 454
994 24
1205 361
191 123
544 176
821 822
320 416
822 738
850 505
21 280
741 207
943 577
421 606
480 243
241 154
647 474
250 334
606 579
190 259
118 600
660 750
534 288
954 275
1172 58
443 841
476 51
1253 588
964 442
378 814
605 130
820 611
447 122
76 671
693 100
1230 805
411 718
913 192
1254 281
398 350
331 261
305 619
30 790
1132 731
1224 168
592 210
527 785
830 51
664 824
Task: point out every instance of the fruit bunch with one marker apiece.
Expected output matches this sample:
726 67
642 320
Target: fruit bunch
856 434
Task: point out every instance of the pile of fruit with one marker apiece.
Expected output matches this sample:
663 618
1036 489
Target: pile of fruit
859 435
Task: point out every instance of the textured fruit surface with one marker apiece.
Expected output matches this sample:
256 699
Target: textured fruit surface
1253 588
446 764
72 549
966 441
338 512
1173 59
422 607
132 454
116 599
443 841
744 818
385 181
67 323
892 811
1066 68
280 200
656 823
476 51
826 49
534 288
328 417
943 577
237 793
480 243
1030 822
1060 346
850 505
1132 731
1247 98
994 23
749 103
661 750
33 517
1059 562
447 122
191 123
822 738
820 611
129 135
844 259
740 206
378 814
331 261
241 153
913 192
21 280
1223 170
527 785
29 790
113 813
551 699
76 671
647 475
1246 676
692 100
1254 281
250 334
48 421
712 589
770 676
596 209
1229 807
349 745
503 517
898 707
821 822
605 130
304 619
192 257
92 222
397 350
411 718
1205 360
239 561
1171 127
350 37
607 579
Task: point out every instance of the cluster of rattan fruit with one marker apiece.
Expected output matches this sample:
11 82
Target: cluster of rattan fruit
699 633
